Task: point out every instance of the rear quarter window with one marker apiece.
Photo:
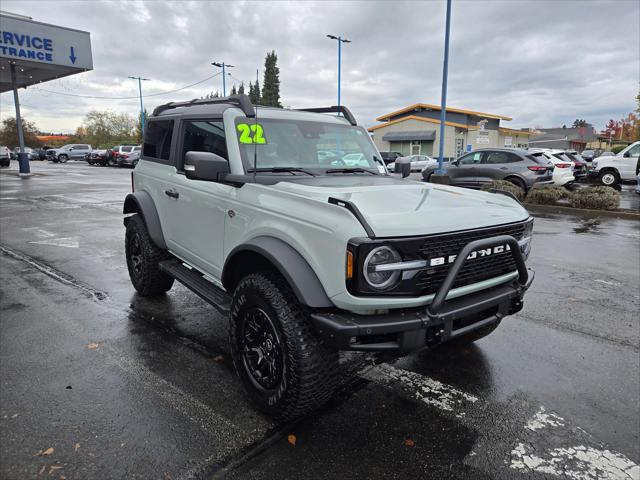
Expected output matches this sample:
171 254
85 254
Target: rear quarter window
157 141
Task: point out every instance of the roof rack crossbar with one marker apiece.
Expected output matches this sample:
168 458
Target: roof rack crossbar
334 109
242 101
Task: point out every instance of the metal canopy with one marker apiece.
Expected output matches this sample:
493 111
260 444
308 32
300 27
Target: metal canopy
40 52
409 135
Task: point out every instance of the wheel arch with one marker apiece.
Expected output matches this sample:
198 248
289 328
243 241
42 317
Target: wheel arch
142 203
272 253
521 179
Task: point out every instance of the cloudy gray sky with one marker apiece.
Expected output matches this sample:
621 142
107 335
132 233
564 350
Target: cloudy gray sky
544 63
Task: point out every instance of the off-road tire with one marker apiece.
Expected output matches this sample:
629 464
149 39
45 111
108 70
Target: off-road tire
604 177
143 258
63 158
474 336
307 377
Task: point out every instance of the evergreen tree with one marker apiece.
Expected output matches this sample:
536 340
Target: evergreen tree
241 89
257 93
271 88
233 90
254 93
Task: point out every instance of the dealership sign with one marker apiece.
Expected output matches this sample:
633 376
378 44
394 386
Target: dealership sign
24 41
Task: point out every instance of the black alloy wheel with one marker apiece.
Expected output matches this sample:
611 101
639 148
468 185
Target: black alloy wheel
262 349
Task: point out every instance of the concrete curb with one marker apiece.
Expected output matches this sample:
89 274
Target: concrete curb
627 214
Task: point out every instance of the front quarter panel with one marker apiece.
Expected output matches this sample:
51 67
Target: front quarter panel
317 231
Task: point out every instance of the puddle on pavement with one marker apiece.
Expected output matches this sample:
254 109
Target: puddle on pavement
591 225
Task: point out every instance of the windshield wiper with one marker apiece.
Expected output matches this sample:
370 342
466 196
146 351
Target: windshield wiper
350 170
280 170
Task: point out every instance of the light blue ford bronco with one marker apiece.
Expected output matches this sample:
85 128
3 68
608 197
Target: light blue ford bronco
287 222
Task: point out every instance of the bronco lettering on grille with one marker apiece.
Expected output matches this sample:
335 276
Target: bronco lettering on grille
485 252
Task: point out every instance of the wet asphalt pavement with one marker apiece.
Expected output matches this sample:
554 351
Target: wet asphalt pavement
97 382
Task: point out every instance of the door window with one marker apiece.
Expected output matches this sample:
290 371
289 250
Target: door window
203 136
634 152
415 147
471 159
494 158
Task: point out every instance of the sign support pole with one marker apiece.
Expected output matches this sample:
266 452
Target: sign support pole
443 101
23 159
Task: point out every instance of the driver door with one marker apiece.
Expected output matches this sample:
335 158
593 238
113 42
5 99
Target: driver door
629 163
463 173
197 209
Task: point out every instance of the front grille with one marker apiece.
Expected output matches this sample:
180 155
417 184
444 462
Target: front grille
474 270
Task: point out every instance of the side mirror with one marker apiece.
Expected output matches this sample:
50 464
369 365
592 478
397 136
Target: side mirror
403 167
205 166
626 154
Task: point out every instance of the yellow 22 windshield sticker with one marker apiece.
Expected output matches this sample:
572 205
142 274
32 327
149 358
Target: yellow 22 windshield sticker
251 133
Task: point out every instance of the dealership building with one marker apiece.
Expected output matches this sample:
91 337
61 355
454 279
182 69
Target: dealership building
415 130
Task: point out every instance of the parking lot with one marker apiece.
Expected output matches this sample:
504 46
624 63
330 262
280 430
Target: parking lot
98 382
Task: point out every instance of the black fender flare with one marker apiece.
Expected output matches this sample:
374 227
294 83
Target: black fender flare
142 203
294 268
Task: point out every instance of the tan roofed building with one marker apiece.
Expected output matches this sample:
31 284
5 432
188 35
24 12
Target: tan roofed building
416 130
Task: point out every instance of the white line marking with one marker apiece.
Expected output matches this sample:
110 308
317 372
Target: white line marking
67 242
607 282
39 232
426 390
576 462
542 419
579 463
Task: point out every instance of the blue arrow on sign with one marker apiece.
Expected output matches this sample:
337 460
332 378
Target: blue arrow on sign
72 57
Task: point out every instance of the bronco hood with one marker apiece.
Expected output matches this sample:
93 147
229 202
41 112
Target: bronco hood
398 208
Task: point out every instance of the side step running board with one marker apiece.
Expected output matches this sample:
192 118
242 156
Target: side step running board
195 281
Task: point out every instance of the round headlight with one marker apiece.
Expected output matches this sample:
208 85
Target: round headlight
380 278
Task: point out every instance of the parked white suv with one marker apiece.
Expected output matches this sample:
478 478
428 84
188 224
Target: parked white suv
308 255
563 166
612 169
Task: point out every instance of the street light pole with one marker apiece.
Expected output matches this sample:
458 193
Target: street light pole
141 107
443 102
340 42
224 75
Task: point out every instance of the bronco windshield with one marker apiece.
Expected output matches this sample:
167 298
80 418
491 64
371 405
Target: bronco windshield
297 146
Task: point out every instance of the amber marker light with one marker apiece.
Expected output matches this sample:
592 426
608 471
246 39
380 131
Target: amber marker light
349 265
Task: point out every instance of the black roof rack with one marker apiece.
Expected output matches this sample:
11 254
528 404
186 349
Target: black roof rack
241 101
335 109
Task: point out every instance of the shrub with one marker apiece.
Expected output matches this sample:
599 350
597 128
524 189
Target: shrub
618 148
547 194
505 185
596 198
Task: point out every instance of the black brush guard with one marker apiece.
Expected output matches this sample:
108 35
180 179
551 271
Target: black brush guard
412 328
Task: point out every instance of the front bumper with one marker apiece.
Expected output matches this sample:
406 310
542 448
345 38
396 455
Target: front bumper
410 329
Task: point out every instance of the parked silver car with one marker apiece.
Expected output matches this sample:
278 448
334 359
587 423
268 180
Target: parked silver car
418 162
482 166
130 158
76 151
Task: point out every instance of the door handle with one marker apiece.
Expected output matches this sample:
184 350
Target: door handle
172 193
504 168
